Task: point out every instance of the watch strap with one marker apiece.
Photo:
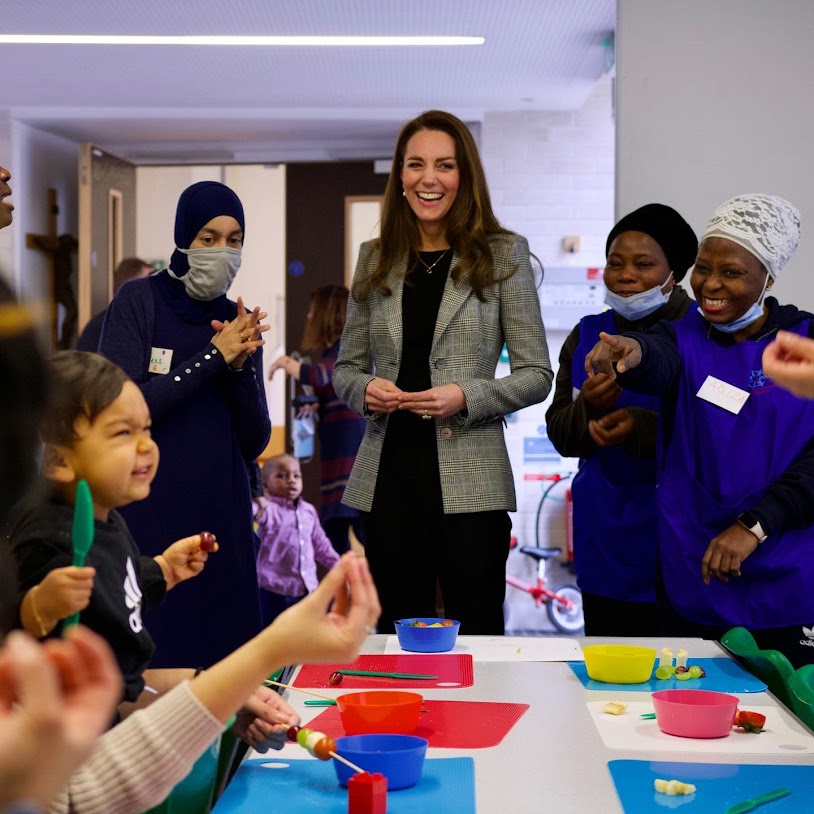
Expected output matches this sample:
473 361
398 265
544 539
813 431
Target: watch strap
751 523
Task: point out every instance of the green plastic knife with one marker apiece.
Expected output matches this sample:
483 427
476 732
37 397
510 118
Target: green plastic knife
750 805
81 532
418 676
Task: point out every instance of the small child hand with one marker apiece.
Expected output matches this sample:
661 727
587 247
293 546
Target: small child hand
264 720
63 592
183 560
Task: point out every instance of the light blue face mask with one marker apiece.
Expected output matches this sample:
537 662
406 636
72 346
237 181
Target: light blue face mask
211 271
642 304
754 313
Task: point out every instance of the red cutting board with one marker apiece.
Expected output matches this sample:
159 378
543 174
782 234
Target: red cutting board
453 670
447 724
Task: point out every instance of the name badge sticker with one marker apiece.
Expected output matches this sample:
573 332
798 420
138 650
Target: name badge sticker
723 394
160 360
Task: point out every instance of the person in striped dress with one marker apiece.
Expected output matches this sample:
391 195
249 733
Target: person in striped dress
340 428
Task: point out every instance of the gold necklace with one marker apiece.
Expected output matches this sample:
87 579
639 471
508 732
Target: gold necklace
430 268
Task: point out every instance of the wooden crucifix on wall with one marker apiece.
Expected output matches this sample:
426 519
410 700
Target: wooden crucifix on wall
60 250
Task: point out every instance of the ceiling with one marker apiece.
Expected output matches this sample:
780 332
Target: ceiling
202 104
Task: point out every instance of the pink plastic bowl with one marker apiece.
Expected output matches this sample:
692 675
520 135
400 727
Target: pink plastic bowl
695 713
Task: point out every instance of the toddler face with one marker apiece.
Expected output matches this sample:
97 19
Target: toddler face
116 454
286 479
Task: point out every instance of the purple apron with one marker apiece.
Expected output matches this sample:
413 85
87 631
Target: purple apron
615 522
719 464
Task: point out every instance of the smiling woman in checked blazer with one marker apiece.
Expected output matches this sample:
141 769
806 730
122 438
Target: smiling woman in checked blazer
432 304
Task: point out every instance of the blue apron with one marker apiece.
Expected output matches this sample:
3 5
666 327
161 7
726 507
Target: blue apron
719 464
615 524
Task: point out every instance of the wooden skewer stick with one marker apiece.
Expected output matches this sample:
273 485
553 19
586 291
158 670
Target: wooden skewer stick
346 762
298 689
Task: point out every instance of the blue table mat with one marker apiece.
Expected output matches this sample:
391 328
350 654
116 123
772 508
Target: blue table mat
722 675
447 785
719 785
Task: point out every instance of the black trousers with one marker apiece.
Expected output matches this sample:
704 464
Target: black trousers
465 554
337 530
613 617
791 641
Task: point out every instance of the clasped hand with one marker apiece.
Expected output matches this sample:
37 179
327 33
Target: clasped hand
612 429
240 338
383 396
601 393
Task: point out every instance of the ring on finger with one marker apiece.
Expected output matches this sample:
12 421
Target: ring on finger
426 415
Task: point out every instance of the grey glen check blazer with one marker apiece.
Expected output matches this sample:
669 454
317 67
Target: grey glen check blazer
469 335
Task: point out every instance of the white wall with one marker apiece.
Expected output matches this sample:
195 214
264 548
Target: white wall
714 100
262 272
261 280
550 175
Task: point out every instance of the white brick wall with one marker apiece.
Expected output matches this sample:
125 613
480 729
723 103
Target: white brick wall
550 174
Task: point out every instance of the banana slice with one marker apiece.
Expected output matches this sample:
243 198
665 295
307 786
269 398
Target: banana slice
673 788
614 708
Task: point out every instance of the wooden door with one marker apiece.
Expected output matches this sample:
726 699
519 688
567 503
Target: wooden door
107 225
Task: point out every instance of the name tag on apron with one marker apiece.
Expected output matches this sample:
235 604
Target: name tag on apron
160 360
723 394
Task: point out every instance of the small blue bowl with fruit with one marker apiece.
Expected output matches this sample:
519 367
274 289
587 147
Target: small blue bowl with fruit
427 634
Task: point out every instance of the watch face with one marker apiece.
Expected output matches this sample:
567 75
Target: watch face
748 519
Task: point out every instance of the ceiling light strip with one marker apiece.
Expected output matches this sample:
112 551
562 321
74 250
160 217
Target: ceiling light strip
282 41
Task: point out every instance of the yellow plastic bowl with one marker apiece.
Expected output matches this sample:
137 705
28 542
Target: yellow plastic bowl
619 663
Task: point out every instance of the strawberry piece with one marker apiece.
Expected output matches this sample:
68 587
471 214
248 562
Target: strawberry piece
749 721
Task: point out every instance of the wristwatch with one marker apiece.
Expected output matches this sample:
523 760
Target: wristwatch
751 523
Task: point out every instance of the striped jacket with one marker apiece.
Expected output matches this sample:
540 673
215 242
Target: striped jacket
469 335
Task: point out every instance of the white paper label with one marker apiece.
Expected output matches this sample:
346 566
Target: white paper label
723 394
160 360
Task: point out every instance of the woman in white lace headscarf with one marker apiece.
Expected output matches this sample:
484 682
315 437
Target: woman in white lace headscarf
736 452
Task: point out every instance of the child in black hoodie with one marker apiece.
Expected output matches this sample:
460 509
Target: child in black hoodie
97 429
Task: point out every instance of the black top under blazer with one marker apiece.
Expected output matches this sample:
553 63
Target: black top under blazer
475 471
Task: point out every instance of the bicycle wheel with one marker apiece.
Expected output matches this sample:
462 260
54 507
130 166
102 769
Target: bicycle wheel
564 620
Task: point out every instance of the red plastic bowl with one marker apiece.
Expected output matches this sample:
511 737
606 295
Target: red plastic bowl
382 711
695 713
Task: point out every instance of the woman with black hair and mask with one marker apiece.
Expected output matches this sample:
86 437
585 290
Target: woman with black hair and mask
613 431
196 357
736 452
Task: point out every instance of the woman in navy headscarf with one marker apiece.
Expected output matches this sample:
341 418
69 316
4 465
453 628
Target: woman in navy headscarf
196 357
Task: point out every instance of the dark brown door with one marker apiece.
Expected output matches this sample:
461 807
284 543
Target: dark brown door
315 249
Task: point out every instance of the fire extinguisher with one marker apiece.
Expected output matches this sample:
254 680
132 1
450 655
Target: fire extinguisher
569 524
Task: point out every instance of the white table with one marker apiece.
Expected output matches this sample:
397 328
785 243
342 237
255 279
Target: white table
553 757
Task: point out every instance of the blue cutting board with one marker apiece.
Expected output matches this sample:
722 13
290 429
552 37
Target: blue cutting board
722 675
447 785
719 785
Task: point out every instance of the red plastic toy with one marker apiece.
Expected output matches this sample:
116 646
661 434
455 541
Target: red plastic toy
367 793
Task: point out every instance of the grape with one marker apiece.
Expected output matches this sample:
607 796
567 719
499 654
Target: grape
664 672
696 671
207 541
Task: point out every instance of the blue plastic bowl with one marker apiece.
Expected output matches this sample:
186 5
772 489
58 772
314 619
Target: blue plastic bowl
399 758
426 639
